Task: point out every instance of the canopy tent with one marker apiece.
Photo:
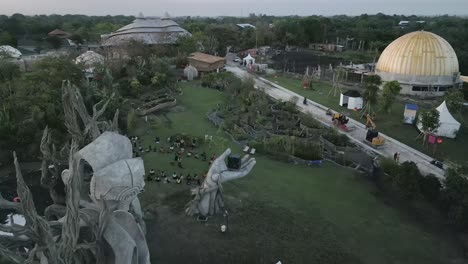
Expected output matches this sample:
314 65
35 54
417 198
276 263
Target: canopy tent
9 52
409 116
190 72
351 99
248 60
448 125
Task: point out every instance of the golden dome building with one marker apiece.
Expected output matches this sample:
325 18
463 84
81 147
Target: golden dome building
422 62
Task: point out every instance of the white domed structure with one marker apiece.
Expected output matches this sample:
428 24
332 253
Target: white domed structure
90 59
9 52
190 72
422 62
150 31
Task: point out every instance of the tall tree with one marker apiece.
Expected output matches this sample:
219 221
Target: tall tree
371 89
454 100
390 91
429 122
7 39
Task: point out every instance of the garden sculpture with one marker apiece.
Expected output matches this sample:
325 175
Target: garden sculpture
208 197
100 220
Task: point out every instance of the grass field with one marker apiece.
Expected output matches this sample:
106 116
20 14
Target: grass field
281 212
388 123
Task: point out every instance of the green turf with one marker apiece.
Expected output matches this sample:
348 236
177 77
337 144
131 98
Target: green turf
281 211
388 123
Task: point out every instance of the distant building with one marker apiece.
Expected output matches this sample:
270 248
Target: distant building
245 26
422 62
59 33
326 47
205 62
403 23
149 31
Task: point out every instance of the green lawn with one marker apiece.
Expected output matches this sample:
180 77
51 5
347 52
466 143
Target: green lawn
279 212
390 124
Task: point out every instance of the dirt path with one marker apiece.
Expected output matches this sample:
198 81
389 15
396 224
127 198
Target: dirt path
358 130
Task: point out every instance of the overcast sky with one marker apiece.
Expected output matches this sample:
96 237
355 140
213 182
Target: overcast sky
234 7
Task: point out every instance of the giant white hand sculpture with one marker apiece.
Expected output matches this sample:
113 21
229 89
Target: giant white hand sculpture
208 199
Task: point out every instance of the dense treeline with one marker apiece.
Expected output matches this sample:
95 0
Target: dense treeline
404 183
367 32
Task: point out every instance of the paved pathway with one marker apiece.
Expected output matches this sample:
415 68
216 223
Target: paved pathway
358 130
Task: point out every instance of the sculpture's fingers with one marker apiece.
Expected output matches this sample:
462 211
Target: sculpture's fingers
224 155
246 163
245 158
248 166
229 175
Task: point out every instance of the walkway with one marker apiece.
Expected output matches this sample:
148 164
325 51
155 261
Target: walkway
358 130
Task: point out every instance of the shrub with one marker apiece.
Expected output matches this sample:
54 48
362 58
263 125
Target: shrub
430 187
131 120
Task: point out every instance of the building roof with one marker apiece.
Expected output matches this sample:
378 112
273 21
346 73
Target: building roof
58 32
411 107
205 57
9 52
90 58
147 30
352 93
419 53
245 25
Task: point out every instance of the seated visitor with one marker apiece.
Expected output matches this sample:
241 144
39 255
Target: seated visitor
156 140
174 175
178 181
158 179
203 155
152 172
166 180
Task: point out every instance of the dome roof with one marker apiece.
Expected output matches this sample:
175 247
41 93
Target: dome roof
90 58
148 31
419 53
9 52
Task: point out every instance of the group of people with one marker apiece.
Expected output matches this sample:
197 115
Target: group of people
180 148
176 178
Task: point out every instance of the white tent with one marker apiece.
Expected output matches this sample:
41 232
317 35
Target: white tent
351 99
9 52
448 125
248 60
190 72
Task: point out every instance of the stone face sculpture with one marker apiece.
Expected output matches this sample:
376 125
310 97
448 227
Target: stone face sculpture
101 220
208 197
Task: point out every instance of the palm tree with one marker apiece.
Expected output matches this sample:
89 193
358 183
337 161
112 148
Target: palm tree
371 89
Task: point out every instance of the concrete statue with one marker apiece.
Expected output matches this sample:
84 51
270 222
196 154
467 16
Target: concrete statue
100 220
208 197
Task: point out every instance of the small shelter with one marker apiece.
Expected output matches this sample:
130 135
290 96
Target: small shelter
190 72
351 100
409 116
248 60
206 62
449 126
59 33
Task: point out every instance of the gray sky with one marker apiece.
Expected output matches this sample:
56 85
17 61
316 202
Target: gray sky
234 7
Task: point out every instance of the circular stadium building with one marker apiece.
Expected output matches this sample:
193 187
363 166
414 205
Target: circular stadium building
149 31
422 62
